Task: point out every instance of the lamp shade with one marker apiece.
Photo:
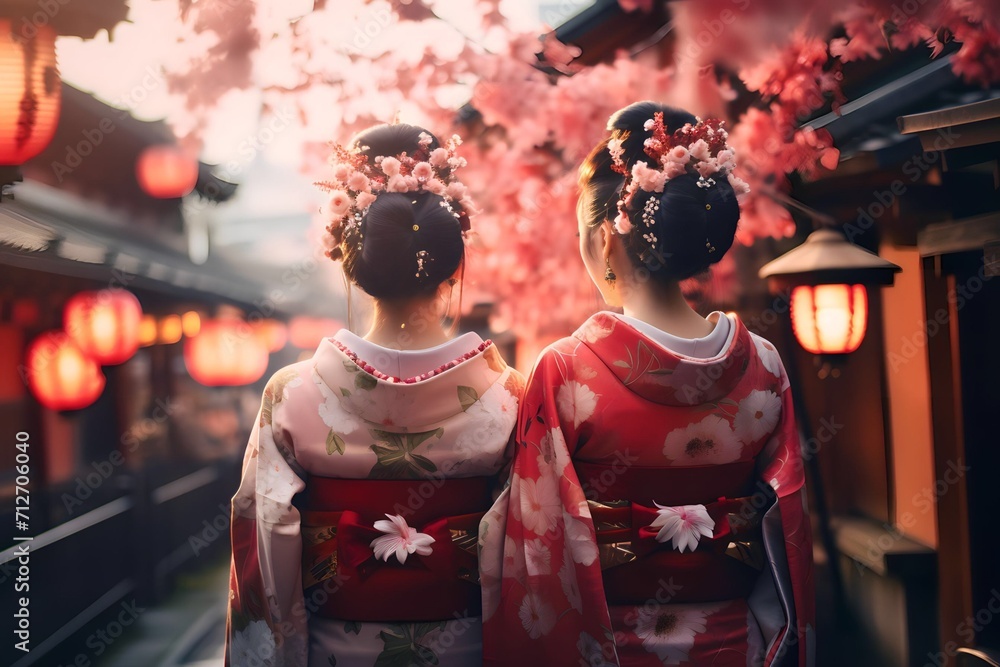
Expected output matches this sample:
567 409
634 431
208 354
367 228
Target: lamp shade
61 375
104 324
225 353
30 92
829 319
166 172
827 276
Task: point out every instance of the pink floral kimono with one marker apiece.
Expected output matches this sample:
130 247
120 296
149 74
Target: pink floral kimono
655 514
354 527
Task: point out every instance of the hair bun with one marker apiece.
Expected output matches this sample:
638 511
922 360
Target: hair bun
693 226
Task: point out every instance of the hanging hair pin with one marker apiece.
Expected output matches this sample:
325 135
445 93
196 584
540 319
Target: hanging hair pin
423 260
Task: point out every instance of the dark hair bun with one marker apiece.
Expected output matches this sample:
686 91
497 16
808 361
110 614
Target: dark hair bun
396 228
694 226
412 241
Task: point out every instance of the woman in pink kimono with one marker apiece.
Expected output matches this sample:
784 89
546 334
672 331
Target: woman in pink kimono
372 463
655 513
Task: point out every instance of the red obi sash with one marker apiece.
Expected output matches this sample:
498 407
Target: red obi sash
635 564
343 579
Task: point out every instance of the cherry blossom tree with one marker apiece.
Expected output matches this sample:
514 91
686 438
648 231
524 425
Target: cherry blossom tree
529 113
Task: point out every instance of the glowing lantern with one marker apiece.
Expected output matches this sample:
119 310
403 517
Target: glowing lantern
105 324
307 332
170 330
225 353
829 303
60 374
30 92
166 172
829 319
148 331
273 333
190 323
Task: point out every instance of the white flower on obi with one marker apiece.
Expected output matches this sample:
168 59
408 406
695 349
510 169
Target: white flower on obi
670 631
576 402
757 416
706 442
684 525
253 645
768 356
537 616
399 539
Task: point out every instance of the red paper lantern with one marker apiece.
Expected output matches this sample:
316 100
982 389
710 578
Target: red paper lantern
30 91
225 353
105 324
60 374
307 332
166 172
829 319
273 333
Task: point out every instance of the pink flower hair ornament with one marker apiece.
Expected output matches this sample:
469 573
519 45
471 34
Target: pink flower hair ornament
700 150
357 182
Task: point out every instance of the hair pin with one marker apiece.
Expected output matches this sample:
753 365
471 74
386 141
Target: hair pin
423 259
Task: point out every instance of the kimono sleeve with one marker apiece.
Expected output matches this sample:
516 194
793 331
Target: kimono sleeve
543 592
266 622
788 538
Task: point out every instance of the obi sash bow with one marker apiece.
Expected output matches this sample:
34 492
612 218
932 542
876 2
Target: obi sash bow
342 578
634 563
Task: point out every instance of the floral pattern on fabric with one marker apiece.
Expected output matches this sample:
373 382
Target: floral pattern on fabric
610 396
328 417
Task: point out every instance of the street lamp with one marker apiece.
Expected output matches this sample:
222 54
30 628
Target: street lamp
828 276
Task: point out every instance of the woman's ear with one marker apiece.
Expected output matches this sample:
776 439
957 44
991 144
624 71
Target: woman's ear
607 237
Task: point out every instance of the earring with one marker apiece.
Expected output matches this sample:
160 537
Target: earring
609 275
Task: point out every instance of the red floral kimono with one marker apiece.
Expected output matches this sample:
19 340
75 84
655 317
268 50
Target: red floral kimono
655 513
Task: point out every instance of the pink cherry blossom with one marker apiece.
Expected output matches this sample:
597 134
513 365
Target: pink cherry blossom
699 150
456 190
683 525
650 180
673 170
726 159
341 172
358 182
740 187
364 200
390 166
622 224
678 154
400 540
397 183
435 186
707 167
422 171
338 205
438 157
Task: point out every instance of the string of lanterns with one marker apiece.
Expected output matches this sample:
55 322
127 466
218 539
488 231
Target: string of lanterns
107 327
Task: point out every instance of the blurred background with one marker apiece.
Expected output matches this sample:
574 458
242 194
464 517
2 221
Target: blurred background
161 254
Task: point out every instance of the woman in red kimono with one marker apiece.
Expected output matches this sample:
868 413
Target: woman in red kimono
372 462
655 513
